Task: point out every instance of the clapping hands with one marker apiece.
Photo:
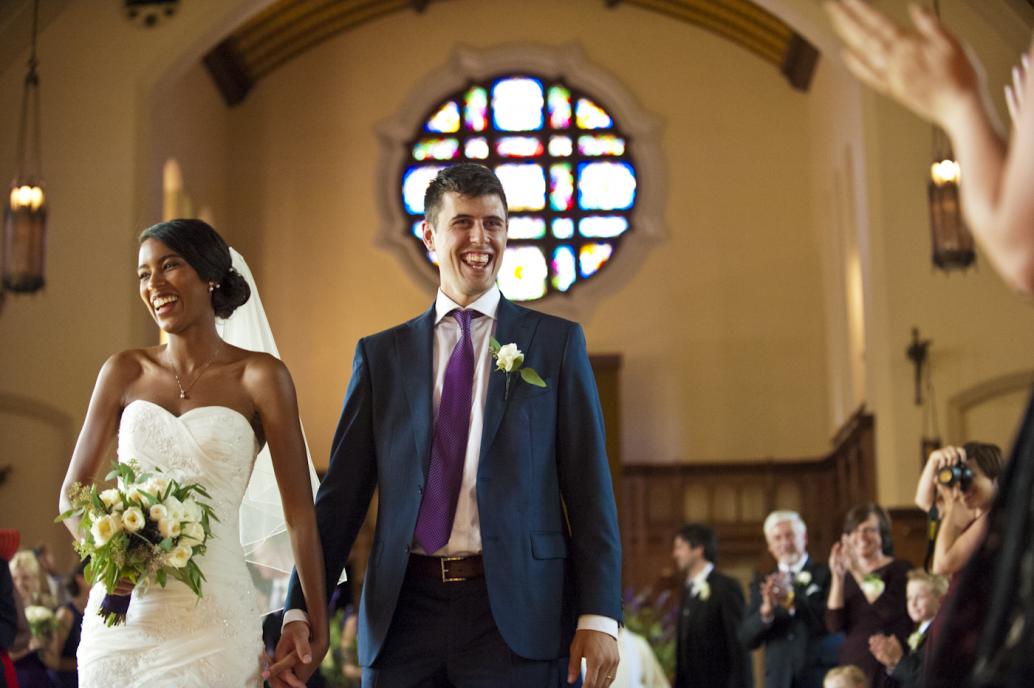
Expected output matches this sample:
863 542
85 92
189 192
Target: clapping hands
925 68
1014 91
886 649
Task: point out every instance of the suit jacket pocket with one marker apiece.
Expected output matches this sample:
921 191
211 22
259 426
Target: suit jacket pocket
548 545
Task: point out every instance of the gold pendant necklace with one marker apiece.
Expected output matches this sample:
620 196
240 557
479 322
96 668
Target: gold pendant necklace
185 391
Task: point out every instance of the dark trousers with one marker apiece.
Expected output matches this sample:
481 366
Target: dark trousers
443 636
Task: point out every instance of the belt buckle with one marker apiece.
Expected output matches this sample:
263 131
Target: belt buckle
445 574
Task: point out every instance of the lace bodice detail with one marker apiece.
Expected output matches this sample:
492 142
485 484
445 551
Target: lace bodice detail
214 446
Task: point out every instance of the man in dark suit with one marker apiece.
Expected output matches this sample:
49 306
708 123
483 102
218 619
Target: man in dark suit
788 607
496 553
708 653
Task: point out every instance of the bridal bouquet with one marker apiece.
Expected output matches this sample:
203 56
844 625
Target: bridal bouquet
41 620
147 529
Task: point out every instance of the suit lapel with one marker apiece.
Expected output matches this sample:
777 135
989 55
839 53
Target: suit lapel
513 324
414 347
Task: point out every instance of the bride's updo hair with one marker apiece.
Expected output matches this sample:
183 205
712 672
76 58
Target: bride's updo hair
206 252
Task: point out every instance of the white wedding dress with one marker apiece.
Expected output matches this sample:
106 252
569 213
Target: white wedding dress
170 638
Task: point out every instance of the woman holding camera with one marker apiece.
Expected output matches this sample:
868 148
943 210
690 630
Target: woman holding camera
962 481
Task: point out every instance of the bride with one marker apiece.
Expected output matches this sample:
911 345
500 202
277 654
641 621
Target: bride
199 408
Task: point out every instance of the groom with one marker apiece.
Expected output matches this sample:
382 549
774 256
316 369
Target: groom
496 531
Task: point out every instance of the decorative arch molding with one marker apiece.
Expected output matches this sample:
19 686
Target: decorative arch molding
960 404
50 416
569 62
287 29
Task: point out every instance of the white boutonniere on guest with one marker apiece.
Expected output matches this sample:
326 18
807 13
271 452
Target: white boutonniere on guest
872 585
703 591
509 359
802 577
915 639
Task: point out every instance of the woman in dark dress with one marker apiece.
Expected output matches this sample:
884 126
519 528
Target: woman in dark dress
59 656
867 590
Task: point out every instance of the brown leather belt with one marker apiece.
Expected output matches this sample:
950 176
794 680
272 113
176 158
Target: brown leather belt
448 569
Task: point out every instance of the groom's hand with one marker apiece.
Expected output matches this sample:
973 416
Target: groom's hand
600 651
294 660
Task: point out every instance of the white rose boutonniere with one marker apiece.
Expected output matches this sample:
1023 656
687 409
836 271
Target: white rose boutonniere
915 639
509 359
802 578
703 591
872 585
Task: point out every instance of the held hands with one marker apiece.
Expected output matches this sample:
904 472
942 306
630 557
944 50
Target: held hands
925 69
297 656
886 649
600 651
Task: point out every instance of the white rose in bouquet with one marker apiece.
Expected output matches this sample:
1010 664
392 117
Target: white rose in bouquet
191 511
156 487
176 510
158 512
192 534
133 519
112 499
105 528
169 527
179 556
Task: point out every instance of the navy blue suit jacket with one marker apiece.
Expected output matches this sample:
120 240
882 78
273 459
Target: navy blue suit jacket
542 451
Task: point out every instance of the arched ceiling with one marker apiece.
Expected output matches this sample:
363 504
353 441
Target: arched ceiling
288 28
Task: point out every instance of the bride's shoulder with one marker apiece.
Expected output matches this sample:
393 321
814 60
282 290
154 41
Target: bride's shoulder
259 367
129 364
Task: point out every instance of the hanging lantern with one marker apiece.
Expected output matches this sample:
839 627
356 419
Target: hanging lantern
25 213
952 242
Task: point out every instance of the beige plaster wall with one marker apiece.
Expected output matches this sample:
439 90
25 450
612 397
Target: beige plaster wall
738 330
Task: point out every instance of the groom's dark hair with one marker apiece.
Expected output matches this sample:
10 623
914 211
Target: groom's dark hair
467 179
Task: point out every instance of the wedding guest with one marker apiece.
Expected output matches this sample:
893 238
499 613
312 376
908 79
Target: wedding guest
8 621
59 654
928 70
963 509
32 590
963 504
867 590
788 608
708 653
848 676
925 593
56 580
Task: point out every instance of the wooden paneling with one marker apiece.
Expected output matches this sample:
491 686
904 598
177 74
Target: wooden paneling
734 498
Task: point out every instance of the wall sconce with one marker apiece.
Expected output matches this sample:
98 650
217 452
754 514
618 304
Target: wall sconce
25 213
952 242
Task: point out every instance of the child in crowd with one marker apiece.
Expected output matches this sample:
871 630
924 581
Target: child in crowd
847 676
925 592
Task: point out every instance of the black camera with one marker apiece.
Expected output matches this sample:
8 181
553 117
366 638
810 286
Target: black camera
957 474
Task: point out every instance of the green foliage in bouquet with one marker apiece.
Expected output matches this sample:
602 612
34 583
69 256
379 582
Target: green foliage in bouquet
654 617
149 528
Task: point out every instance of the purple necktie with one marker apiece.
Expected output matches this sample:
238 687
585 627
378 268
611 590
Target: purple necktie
449 448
